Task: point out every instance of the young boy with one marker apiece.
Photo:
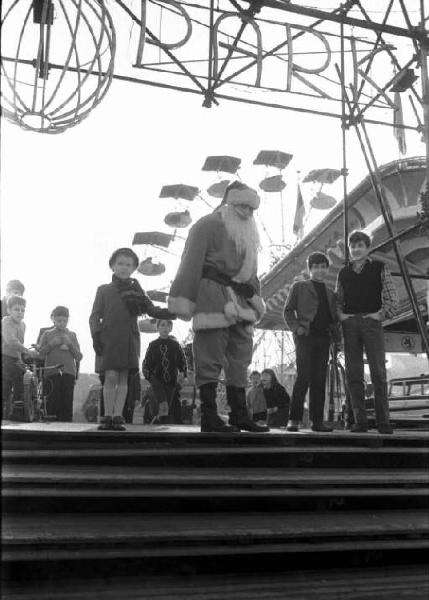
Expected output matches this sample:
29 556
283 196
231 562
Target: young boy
366 295
59 345
255 399
163 361
310 313
12 332
14 287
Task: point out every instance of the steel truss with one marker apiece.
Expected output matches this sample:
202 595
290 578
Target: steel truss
356 104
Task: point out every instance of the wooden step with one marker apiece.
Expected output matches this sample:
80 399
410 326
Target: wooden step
67 435
318 456
89 536
383 583
91 488
93 480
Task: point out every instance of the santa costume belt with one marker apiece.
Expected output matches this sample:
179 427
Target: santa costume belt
242 289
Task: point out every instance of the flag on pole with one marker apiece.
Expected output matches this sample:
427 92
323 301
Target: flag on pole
298 223
398 119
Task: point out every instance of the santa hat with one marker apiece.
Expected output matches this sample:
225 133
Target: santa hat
239 193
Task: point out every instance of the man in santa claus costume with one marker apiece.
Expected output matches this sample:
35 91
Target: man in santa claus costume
217 286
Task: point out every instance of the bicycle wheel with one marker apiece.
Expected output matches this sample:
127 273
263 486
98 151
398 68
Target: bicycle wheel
335 390
7 408
29 402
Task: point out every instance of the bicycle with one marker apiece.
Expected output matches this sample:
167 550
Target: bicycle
35 395
336 389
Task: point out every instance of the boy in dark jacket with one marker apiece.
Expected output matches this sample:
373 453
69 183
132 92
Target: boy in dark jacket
164 366
310 313
366 295
59 345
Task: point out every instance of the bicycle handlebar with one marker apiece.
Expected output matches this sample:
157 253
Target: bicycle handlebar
58 366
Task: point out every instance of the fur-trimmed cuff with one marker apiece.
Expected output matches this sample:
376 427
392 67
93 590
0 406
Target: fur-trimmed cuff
210 321
182 307
235 312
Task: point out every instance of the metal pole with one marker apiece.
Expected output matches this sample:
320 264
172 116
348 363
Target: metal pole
339 16
425 91
397 236
344 171
378 189
209 92
387 219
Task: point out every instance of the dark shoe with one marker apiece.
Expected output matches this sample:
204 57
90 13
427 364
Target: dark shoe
106 424
359 428
239 418
322 428
210 420
293 426
246 424
118 424
216 426
387 429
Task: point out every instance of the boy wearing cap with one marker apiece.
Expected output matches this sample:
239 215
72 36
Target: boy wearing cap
59 345
217 286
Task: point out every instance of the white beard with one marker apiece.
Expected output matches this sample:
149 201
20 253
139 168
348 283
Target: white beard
244 234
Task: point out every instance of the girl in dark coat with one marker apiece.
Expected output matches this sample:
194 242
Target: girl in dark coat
277 398
115 333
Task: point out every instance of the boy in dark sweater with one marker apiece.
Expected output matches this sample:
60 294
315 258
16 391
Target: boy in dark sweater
164 366
366 295
310 313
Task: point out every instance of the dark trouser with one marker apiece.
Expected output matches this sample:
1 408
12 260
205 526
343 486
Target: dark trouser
260 416
279 418
312 354
60 398
363 333
12 381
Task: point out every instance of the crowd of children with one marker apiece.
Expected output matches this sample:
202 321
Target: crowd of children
317 317
56 345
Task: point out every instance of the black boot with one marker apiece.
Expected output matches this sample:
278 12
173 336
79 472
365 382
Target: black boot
210 420
238 417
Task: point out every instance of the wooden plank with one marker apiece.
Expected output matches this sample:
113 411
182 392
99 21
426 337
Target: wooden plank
214 476
58 429
175 452
80 551
57 433
168 527
151 492
407 583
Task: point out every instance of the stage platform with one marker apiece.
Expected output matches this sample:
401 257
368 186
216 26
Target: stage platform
164 499
55 426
